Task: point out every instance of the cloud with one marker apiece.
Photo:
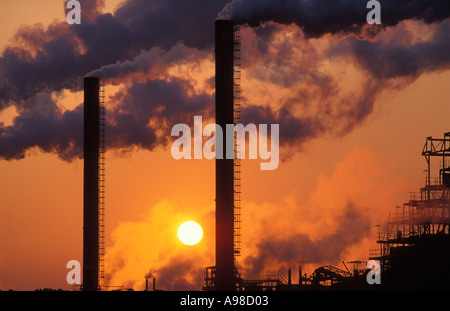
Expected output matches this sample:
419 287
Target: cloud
320 17
298 84
56 58
329 86
408 57
161 55
42 61
154 63
91 9
44 126
142 119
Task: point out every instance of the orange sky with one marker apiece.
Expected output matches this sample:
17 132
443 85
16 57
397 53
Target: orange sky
149 194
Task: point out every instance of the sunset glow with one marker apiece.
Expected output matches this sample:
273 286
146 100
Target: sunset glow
354 103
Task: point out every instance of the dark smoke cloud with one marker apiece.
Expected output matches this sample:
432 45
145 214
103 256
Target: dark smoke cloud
150 107
297 130
316 105
46 127
399 58
45 60
91 9
320 17
353 226
154 60
55 59
167 22
387 63
64 54
146 37
146 109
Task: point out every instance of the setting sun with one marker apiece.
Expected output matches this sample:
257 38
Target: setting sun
190 233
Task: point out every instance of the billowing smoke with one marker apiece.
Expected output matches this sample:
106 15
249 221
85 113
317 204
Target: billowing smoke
333 222
320 17
58 57
46 126
142 36
299 247
160 102
145 45
181 273
405 58
156 61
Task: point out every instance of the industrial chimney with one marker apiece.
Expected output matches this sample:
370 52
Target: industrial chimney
224 275
92 197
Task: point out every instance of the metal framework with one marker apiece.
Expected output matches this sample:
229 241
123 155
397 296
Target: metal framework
237 118
101 188
93 184
425 215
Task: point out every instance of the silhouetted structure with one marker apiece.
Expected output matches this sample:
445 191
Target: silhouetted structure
414 251
93 186
415 247
224 270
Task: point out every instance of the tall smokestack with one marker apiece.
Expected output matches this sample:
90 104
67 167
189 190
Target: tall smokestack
224 279
91 184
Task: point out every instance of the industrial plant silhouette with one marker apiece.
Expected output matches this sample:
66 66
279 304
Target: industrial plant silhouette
414 245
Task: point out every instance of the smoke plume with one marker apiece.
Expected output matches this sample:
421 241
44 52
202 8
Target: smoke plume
320 17
160 53
332 223
353 226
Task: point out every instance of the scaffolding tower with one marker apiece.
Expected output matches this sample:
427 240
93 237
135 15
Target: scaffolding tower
420 228
101 188
237 118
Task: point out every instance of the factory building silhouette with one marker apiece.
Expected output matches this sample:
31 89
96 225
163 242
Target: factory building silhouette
414 243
